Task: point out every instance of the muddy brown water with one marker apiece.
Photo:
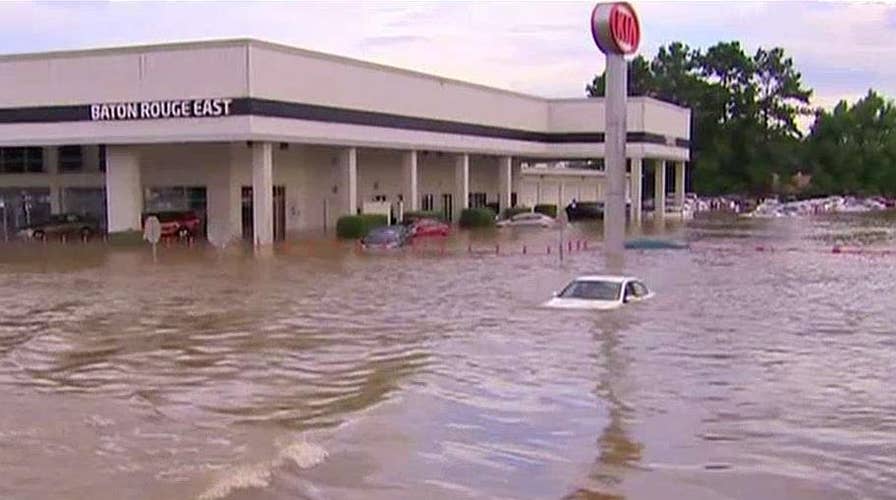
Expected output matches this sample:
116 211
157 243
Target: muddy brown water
316 372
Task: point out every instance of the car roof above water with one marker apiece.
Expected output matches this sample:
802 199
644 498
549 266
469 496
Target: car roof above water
607 278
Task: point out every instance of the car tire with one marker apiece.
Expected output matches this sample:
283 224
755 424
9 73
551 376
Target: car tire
38 235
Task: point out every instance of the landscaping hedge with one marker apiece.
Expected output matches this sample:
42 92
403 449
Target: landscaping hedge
357 226
548 209
477 217
412 215
126 238
510 212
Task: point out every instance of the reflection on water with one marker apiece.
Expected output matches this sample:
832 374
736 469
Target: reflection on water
317 372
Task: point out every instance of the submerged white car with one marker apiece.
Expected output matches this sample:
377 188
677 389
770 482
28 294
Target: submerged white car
528 219
600 292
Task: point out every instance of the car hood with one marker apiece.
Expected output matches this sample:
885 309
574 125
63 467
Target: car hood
558 303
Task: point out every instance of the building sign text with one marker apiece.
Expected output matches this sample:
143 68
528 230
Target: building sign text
160 110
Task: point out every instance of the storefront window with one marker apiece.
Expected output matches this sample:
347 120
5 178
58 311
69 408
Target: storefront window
71 159
176 198
21 160
25 206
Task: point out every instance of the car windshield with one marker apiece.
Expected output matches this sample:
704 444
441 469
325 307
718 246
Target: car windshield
592 290
382 236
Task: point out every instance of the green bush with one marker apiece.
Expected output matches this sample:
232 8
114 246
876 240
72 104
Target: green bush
548 209
126 238
510 212
412 215
477 217
357 226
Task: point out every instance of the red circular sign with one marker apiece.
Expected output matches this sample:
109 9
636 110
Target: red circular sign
615 28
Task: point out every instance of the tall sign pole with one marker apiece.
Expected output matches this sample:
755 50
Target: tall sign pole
617 33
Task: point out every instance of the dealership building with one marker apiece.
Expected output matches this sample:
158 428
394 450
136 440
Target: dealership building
266 141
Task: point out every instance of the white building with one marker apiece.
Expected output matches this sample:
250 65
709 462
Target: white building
266 140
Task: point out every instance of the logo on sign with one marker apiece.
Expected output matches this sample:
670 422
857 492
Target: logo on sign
615 28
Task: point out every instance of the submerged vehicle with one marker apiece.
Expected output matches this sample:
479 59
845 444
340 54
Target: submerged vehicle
654 244
600 292
62 224
429 227
386 237
528 219
584 210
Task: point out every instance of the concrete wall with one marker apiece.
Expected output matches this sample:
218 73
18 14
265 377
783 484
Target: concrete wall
286 73
242 68
215 69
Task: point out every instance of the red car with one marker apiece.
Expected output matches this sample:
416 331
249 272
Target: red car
429 227
181 224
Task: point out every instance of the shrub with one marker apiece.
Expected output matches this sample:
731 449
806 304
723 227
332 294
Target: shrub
126 238
357 226
412 215
477 217
510 212
548 209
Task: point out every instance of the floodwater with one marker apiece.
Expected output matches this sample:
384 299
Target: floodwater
316 372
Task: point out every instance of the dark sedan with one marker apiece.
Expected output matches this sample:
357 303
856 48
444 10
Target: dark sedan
585 210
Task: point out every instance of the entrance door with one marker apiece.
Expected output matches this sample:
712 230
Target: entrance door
447 206
279 213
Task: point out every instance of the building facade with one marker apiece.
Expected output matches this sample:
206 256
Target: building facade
265 140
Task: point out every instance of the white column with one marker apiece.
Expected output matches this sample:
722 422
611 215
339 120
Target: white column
262 193
124 194
348 161
659 190
411 184
51 167
636 179
505 182
220 206
679 184
461 185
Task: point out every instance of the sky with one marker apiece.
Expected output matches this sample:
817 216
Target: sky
543 48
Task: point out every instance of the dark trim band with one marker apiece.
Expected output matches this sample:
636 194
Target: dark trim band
252 106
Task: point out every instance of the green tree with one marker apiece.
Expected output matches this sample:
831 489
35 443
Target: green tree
852 149
640 80
743 110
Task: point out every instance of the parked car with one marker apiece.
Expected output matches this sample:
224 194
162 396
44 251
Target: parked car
528 219
600 292
429 227
182 224
62 224
386 237
583 210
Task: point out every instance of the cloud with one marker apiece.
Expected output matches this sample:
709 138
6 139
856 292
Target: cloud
543 48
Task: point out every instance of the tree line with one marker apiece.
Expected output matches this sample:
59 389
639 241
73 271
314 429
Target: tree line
745 138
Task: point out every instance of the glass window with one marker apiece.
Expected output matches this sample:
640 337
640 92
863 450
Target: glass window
640 289
71 158
427 203
13 160
34 160
592 290
102 154
477 200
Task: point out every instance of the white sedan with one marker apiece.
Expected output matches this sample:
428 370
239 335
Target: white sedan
527 219
600 292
